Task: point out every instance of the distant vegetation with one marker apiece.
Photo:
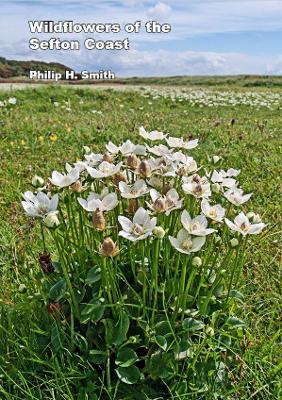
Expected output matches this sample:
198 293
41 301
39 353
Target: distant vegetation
236 80
12 68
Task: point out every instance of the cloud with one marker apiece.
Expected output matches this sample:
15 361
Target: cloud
275 68
159 10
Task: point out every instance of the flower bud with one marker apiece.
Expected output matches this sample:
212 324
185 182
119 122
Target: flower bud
159 205
45 263
144 168
119 177
256 219
109 248
209 331
52 220
216 187
132 206
86 150
133 161
159 232
250 215
196 262
98 220
215 159
107 157
77 187
234 242
37 181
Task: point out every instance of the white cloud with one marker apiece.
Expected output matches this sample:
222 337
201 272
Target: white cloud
159 10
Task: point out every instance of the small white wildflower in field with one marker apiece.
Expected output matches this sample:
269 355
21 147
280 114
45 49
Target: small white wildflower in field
39 205
198 186
12 100
108 202
185 243
139 228
242 225
165 203
104 170
64 180
195 226
216 212
236 196
180 143
138 189
154 135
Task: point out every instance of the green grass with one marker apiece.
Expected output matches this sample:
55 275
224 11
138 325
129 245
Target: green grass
252 144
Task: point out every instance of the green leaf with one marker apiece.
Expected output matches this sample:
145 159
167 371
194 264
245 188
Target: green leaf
97 356
56 339
93 312
121 329
162 328
129 375
58 290
126 357
161 342
93 276
192 325
235 294
235 322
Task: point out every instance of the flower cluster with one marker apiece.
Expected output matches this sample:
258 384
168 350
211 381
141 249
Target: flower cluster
11 101
214 98
162 177
144 235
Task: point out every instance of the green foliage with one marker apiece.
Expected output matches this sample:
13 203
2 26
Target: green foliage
40 357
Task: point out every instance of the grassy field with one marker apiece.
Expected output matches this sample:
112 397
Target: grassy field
37 137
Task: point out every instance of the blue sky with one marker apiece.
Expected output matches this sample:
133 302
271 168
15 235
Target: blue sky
208 36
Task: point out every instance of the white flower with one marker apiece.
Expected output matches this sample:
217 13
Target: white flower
216 212
221 177
104 170
126 148
64 180
138 189
196 226
154 135
198 186
2 104
140 228
93 159
175 142
12 100
39 205
160 151
166 203
107 203
242 225
187 244
215 159
236 196
51 220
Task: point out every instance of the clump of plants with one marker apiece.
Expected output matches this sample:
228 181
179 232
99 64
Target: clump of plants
149 252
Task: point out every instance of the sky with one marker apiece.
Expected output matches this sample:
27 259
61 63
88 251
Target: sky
208 37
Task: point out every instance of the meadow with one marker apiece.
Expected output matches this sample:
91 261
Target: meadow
47 127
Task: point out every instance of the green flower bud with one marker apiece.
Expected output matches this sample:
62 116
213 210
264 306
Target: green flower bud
215 159
216 187
51 220
37 181
234 242
209 331
159 232
196 262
